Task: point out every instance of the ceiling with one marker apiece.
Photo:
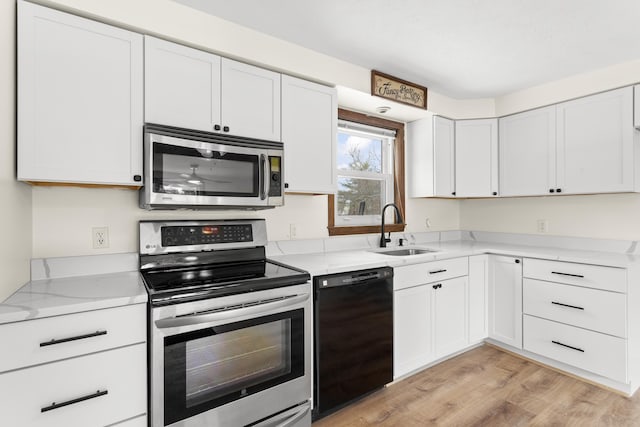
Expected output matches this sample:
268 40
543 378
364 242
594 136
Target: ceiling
460 48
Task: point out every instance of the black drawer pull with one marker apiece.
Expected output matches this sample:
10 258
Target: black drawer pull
437 271
568 346
55 405
567 305
77 337
568 274
438 286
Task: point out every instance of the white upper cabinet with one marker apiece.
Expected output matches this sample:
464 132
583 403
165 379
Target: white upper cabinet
528 153
444 153
309 129
182 86
476 158
430 158
595 137
190 88
80 111
250 101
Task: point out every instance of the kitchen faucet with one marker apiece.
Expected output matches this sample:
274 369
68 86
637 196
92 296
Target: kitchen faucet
383 240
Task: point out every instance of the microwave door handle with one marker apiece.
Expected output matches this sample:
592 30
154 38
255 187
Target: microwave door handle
258 308
264 188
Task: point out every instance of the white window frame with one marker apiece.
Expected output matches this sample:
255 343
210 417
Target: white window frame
386 176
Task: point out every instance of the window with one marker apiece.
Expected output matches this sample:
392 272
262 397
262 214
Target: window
370 174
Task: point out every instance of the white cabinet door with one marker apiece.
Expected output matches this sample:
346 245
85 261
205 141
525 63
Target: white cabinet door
528 153
478 297
411 329
309 128
636 106
419 158
476 158
450 332
444 155
182 86
505 300
250 101
595 143
79 99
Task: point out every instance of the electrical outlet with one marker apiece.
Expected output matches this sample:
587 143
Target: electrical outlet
100 237
293 232
428 223
543 226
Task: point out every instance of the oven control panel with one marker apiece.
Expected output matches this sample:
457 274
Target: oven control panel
205 234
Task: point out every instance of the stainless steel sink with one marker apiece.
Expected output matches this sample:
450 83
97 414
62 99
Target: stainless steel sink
405 252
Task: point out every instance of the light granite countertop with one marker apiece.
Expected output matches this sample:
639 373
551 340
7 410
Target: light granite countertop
319 263
55 296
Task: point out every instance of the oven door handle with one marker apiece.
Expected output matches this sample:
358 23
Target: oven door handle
288 418
259 307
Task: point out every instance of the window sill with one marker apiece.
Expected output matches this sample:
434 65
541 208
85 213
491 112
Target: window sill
364 229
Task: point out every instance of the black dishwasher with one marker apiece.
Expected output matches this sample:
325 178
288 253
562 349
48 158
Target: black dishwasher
353 339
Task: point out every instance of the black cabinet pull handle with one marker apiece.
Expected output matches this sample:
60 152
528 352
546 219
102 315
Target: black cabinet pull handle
55 405
567 305
438 286
558 190
453 194
77 337
551 190
435 286
216 127
137 178
225 129
568 346
437 271
568 274
495 193
517 261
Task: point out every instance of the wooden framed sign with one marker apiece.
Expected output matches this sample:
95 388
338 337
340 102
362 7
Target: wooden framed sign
398 90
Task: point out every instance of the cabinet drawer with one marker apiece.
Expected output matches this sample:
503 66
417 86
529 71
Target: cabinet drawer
600 311
121 373
73 334
417 274
591 276
592 351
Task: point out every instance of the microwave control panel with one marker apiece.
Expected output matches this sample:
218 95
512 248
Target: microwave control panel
275 186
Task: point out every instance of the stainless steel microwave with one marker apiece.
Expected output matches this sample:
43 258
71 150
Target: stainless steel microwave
187 169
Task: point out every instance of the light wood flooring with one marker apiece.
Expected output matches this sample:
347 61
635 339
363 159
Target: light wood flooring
488 387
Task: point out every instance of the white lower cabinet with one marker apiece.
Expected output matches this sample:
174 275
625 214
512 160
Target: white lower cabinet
76 370
599 353
430 313
94 390
412 346
478 297
577 314
505 300
449 308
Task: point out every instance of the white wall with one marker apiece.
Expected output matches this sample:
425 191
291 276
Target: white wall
15 205
607 216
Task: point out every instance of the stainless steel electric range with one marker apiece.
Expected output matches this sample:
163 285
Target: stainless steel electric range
230 331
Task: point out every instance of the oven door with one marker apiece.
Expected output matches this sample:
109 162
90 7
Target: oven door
181 172
232 360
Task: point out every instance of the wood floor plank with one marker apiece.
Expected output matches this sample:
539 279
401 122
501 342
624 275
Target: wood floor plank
489 387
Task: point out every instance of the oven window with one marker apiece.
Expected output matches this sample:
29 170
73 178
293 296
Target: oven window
207 368
201 172
219 364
